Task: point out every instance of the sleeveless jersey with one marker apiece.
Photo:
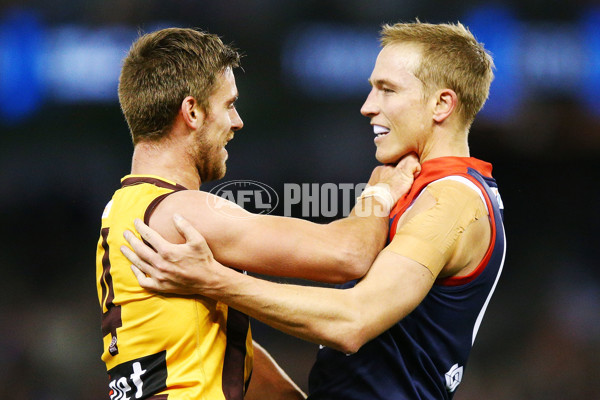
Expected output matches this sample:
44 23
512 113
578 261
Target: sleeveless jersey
424 355
163 346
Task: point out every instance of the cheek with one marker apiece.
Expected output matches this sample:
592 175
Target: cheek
225 124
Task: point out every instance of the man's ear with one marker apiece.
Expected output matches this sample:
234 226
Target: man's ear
192 113
446 103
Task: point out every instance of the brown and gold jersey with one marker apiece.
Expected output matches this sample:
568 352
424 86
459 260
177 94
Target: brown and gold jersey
162 346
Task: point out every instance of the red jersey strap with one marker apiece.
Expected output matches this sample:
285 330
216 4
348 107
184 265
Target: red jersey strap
432 170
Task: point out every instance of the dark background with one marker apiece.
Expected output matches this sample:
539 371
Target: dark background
65 146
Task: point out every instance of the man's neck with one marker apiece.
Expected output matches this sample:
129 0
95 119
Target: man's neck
445 143
167 161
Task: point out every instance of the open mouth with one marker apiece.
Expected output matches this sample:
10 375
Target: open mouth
380 131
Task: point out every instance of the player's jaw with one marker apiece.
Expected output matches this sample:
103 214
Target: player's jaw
389 146
219 156
210 155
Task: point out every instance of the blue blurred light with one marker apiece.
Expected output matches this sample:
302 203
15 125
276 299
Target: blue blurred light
500 33
84 64
329 61
21 43
590 86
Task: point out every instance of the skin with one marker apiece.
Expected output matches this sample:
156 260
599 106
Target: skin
425 126
194 152
341 319
269 380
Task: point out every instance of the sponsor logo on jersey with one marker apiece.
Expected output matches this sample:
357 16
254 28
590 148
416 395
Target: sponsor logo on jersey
453 377
139 378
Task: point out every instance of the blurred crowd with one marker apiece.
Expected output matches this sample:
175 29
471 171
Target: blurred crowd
540 338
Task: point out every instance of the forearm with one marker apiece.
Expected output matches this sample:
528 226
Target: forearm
341 319
337 252
362 234
323 316
368 224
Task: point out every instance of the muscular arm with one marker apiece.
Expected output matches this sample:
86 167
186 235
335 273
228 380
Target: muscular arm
271 245
342 319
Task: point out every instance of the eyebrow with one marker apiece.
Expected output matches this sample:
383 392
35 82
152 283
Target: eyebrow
382 82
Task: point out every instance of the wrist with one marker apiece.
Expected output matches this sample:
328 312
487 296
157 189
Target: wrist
217 284
381 192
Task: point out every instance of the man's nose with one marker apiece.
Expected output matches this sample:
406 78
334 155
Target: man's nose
236 122
369 107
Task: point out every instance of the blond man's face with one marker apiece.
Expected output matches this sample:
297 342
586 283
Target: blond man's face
396 105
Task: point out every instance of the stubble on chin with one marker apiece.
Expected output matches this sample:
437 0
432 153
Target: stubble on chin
211 170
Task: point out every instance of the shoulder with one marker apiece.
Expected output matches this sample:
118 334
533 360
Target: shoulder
446 201
205 211
189 203
457 191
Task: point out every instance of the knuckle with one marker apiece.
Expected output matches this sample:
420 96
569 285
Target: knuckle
160 278
167 254
197 244
162 266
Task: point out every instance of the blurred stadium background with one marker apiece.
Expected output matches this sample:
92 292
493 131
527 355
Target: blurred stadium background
65 146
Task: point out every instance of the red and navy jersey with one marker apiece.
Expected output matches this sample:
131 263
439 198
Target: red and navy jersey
424 355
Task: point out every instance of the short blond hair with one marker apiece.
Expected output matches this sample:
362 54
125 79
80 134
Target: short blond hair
164 67
451 58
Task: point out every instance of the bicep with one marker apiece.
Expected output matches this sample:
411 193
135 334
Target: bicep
263 244
281 246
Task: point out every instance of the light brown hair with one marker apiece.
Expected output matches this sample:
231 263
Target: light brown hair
164 67
451 58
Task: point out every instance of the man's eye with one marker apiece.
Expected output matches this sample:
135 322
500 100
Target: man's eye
388 90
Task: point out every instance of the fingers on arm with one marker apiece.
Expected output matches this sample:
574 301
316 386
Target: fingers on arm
145 281
141 251
153 238
191 235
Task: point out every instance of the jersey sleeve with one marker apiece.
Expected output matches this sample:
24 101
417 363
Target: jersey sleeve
430 236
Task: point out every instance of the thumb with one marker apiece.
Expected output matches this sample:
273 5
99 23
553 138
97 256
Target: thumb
409 165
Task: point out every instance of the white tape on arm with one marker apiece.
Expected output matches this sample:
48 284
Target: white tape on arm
383 194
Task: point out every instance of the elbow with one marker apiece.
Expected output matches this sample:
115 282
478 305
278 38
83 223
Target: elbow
348 336
343 265
349 346
349 342
354 262
358 254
